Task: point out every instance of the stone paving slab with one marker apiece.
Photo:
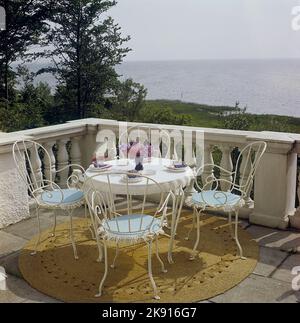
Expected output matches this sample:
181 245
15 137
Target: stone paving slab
10 243
258 289
10 297
283 240
42 301
11 264
27 229
244 224
20 291
269 260
284 272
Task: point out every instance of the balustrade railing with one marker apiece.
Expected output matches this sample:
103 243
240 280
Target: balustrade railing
295 221
271 203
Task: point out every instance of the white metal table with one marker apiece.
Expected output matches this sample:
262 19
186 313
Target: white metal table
155 168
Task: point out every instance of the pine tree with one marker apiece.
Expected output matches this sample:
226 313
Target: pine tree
25 22
85 46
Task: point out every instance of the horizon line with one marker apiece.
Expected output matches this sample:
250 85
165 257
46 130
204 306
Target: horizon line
210 59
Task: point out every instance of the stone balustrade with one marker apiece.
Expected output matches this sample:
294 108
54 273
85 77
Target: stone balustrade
295 220
273 199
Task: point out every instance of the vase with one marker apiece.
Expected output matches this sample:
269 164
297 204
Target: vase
139 163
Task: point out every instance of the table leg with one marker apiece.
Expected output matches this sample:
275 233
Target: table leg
179 196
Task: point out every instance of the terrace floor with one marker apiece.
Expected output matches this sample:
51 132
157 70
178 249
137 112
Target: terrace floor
271 281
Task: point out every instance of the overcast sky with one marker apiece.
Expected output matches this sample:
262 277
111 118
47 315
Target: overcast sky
200 29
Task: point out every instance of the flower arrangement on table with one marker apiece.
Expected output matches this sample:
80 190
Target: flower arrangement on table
138 151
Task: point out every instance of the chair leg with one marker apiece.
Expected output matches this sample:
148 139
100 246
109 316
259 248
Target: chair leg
237 236
230 225
100 258
194 252
150 271
39 231
173 222
85 211
173 233
89 226
116 256
105 271
179 212
163 268
92 233
93 229
72 235
55 224
187 238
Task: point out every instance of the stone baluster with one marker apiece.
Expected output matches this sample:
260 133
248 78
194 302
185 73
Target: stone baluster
36 167
200 149
75 156
298 194
190 160
155 142
75 152
295 220
245 172
111 148
226 163
49 161
63 161
106 144
208 159
88 146
189 149
166 145
176 145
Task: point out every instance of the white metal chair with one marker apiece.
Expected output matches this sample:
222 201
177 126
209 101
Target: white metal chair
46 193
129 222
210 195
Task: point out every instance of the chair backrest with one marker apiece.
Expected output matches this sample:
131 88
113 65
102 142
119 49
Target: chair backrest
241 178
247 164
26 155
110 196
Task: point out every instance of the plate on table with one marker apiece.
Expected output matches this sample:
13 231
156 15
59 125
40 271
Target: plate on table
177 167
99 168
131 177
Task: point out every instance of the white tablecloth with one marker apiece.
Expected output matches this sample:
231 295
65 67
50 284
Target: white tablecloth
168 180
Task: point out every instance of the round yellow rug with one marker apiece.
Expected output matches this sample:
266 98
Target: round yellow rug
54 272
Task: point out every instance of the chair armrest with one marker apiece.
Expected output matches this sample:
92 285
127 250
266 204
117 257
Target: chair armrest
76 178
211 179
223 170
69 166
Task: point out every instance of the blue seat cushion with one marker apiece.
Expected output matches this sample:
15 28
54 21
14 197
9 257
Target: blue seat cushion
70 196
217 199
138 224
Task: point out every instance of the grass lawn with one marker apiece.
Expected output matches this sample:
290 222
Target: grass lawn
216 116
